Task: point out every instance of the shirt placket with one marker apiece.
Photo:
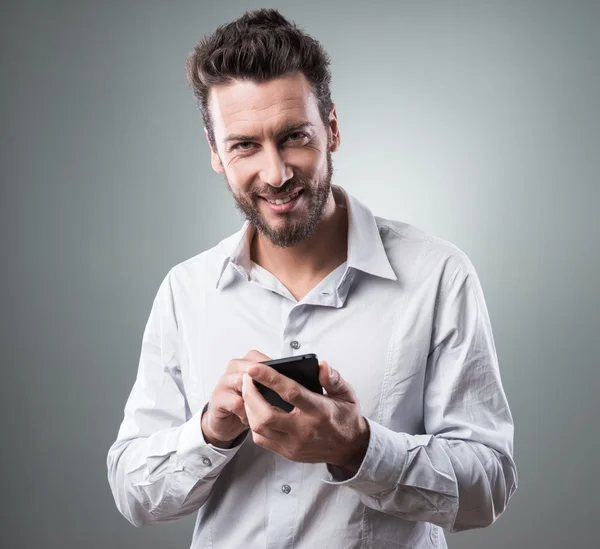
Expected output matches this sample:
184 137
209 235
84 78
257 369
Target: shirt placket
285 482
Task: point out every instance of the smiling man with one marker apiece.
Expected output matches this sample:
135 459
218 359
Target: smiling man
269 141
288 152
413 433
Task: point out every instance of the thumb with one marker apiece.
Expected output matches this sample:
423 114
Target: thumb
332 381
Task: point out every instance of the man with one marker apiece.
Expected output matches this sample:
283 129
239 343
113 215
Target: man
413 434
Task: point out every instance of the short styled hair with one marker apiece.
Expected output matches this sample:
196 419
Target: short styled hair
259 46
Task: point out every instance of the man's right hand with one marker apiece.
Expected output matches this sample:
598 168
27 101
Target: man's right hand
225 419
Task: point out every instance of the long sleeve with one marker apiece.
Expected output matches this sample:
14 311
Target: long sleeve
160 468
461 474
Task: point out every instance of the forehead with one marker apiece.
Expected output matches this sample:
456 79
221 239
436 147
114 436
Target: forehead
249 107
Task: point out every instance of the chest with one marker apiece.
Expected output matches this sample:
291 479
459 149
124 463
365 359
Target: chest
369 340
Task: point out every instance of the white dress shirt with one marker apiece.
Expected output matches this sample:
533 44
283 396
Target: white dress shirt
403 320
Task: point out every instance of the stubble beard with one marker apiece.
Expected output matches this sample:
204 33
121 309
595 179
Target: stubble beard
292 232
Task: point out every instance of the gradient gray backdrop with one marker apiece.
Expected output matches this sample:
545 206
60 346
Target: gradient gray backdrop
477 121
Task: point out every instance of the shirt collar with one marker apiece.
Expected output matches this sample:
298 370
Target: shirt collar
365 247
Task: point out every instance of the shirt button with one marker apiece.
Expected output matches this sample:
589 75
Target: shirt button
286 489
206 461
295 345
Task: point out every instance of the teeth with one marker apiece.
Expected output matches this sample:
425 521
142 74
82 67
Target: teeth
283 200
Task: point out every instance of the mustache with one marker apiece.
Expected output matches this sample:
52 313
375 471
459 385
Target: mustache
297 181
283 189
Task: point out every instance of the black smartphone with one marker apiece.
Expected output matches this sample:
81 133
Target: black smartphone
303 369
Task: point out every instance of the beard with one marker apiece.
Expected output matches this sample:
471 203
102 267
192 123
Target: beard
293 231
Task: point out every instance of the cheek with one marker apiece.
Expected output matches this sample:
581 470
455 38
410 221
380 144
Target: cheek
307 162
240 175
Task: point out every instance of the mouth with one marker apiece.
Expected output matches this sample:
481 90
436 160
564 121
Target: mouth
286 204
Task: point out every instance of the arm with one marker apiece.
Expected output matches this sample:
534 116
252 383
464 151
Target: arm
461 474
161 468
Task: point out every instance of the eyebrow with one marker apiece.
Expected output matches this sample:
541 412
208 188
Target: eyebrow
288 128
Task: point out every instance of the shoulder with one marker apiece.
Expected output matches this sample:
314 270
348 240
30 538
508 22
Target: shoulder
424 254
199 272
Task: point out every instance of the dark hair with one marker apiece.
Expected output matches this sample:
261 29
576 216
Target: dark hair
259 46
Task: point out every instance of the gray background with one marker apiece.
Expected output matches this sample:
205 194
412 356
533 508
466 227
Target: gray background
476 121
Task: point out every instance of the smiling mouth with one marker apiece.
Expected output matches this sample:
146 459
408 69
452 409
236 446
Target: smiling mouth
284 205
282 200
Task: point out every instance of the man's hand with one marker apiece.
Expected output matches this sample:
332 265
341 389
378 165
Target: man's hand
225 419
320 429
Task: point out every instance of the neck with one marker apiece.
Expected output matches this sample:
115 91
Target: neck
312 258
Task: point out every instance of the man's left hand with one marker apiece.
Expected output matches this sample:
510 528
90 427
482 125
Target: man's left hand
320 429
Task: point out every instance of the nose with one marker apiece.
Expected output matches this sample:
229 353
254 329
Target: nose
275 171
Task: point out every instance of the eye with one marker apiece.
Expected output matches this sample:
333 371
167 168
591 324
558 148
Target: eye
297 136
241 146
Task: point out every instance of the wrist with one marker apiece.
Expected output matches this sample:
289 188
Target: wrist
357 450
210 438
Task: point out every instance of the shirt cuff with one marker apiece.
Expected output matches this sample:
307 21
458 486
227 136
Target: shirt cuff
382 466
200 458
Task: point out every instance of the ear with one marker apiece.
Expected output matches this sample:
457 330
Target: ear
334 131
215 161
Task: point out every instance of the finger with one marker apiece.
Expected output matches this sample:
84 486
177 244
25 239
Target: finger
261 429
239 409
256 356
233 382
335 385
260 413
242 364
238 365
268 444
286 388
229 403
323 372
